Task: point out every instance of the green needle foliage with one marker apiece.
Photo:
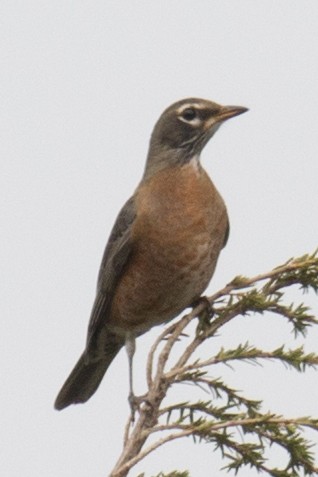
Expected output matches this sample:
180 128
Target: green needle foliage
233 424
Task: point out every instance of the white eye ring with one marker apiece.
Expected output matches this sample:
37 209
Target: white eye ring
190 115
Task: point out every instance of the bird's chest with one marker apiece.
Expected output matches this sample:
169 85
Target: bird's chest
179 213
177 236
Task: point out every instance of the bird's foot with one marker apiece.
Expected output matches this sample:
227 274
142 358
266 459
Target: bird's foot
206 314
135 403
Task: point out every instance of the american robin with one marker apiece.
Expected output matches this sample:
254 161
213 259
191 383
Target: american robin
163 248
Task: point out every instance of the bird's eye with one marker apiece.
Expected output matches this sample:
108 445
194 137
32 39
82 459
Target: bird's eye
189 114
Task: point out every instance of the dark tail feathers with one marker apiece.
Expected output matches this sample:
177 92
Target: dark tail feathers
84 380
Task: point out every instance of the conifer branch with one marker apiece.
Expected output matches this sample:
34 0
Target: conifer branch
231 422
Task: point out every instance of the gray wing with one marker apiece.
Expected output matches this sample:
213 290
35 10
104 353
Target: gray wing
116 255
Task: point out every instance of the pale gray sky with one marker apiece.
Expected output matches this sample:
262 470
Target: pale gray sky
81 85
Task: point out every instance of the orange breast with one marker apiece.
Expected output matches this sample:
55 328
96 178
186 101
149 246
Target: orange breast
177 235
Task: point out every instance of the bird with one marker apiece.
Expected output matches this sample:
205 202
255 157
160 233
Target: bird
164 245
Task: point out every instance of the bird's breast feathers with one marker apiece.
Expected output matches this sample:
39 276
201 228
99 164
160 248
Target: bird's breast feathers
180 201
177 236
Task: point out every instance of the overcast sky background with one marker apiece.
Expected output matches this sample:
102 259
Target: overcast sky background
81 86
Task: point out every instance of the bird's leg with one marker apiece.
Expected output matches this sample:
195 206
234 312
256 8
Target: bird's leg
130 345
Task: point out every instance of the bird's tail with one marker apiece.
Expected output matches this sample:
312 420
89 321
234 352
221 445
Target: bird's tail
84 379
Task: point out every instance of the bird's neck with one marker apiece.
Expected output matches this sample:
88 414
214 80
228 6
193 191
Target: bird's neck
160 159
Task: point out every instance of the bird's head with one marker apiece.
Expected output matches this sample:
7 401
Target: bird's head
183 130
